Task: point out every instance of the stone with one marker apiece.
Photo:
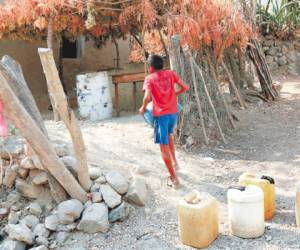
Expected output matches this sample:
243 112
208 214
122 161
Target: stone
69 211
40 179
119 213
29 190
137 193
95 187
19 233
12 245
273 65
272 51
10 176
67 228
292 56
12 199
30 221
39 248
269 59
71 163
88 203
41 231
4 211
11 147
282 61
35 209
61 237
268 43
13 217
95 219
61 150
42 241
101 180
51 222
23 173
110 196
27 163
95 173
116 180
96 197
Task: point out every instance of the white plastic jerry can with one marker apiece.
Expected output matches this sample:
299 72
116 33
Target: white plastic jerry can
246 211
198 219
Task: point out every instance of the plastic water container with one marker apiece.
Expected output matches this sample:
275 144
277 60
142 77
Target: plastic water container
198 217
148 116
246 211
93 96
267 184
297 205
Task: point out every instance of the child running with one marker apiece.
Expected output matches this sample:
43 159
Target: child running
160 88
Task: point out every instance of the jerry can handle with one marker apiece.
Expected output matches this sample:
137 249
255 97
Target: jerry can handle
241 188
268 178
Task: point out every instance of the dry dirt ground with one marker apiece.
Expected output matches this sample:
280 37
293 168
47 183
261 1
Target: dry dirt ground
267 141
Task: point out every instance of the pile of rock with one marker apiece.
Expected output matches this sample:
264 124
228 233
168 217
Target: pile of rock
110 199
41 225
282 55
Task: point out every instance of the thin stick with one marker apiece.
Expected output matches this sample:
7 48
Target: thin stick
198 103
210 101
220 92
237 92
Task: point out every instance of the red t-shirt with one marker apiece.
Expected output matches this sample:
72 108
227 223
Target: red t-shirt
161 84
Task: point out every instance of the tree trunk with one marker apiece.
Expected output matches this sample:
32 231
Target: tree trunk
21 90
66 114
35 137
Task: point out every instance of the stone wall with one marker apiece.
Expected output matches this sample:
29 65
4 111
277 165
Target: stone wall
283 57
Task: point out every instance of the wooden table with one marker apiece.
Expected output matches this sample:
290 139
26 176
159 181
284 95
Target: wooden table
126 78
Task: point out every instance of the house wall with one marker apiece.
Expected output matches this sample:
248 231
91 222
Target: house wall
92 60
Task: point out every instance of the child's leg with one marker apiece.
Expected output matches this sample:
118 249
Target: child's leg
166 155
172 149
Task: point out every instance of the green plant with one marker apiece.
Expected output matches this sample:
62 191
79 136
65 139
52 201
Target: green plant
279 16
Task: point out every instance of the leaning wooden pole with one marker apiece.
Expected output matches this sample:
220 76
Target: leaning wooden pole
66 114
198 102
15 111
210 101
231 82
23 93
220 91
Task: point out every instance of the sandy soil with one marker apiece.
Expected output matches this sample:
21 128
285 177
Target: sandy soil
267 141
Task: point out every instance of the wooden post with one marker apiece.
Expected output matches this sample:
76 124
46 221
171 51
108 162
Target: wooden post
231 82
134 96
15 111
66 114
117 99
213 73
21 90
209 100
198 102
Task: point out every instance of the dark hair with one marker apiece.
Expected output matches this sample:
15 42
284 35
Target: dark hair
156 62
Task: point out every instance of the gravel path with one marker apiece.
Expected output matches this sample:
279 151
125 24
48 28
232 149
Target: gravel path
267 140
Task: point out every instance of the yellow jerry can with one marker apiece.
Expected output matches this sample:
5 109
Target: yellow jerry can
267 184
198 217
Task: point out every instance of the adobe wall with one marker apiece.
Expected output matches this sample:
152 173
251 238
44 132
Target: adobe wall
93 59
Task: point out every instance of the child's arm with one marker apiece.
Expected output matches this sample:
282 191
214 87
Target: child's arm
182 87
147 99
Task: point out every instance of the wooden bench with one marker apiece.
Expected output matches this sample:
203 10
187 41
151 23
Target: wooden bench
133 78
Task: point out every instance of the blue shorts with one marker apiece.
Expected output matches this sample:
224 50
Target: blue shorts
164 126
